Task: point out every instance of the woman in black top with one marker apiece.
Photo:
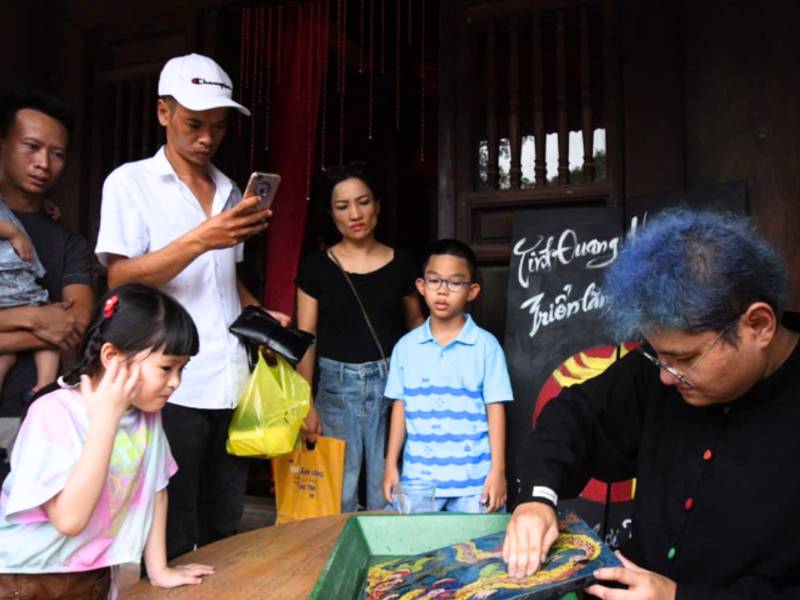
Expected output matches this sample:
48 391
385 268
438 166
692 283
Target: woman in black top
352 350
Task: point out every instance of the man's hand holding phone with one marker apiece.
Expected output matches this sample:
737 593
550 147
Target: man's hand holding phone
264 186
234 225
248 217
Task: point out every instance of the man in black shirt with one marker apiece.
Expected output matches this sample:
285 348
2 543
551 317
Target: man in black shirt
704 415
34 134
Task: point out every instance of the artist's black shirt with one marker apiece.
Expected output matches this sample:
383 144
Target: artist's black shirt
719 485
342 332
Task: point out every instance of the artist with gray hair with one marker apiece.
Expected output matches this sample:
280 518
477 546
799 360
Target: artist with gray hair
705 417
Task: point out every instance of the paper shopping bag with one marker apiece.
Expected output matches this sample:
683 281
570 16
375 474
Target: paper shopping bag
308 483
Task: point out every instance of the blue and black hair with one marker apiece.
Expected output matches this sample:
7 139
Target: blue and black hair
143 318
692 271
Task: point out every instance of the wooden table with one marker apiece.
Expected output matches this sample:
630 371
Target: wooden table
281 562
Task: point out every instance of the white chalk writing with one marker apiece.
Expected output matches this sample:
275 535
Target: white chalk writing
544 253
635 224
563 306
616 536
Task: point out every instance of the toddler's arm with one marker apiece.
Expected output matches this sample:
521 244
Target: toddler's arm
17 238
155 553
494 489
397 434
52 210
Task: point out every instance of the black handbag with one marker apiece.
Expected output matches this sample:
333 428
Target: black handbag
257 328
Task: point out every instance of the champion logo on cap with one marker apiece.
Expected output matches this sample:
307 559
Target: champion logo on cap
201 81
197 82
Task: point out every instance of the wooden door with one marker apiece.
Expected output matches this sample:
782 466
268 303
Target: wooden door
125 64
516 76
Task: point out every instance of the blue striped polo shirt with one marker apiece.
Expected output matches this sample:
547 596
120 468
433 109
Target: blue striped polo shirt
445 391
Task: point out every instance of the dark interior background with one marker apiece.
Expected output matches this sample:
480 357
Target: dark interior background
689 94
693 93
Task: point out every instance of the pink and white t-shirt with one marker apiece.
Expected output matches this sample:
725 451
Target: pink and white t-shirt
47 449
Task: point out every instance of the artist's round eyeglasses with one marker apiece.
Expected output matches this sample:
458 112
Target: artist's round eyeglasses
683 377
454 286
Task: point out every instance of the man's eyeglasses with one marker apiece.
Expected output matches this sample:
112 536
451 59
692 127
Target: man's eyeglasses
683 377
454 286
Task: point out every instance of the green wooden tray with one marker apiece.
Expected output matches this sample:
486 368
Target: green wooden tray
369 537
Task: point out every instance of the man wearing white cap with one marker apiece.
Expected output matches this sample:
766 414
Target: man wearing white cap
176 222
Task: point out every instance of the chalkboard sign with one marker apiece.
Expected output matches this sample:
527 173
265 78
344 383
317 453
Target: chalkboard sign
729 197
555 334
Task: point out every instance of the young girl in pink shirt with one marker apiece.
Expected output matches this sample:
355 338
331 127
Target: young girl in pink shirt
90 467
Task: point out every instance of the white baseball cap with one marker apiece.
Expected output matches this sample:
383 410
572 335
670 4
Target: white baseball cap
198 83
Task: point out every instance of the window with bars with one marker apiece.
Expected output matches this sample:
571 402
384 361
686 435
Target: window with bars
538 96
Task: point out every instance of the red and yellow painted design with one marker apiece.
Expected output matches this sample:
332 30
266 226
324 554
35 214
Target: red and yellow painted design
576 369
570 553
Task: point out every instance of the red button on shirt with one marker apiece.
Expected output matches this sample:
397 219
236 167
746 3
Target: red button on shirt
688 504
708 455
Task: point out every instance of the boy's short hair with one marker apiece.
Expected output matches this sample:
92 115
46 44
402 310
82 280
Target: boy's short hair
456 248
15 100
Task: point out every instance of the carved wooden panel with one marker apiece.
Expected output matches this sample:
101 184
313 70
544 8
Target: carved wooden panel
533 120
124 82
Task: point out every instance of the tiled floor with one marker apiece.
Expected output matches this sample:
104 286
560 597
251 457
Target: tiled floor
258 512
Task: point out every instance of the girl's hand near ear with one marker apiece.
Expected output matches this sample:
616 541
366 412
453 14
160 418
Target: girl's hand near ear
106 400
52 210
113 394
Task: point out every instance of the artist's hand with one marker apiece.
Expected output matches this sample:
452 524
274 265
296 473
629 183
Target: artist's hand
531 531
118 387
312 426
52 323
22 245
232 226
171 577
391 476
494 490
642 584
284 319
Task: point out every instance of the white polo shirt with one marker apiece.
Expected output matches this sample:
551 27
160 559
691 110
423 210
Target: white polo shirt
145 207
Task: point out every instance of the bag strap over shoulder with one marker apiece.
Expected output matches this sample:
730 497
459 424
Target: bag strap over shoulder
360 304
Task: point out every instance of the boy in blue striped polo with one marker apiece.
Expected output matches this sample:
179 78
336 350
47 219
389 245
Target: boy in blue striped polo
448 379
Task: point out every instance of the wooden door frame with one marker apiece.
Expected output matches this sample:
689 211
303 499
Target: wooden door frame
459 203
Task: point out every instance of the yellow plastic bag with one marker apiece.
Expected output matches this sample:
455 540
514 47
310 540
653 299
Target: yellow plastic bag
270 412
308 483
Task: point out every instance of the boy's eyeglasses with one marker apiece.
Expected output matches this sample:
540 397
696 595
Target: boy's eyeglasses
454 286
683 377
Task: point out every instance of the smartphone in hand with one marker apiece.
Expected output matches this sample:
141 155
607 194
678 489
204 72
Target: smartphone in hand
263 185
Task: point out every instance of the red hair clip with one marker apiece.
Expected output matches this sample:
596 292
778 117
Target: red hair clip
110 307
